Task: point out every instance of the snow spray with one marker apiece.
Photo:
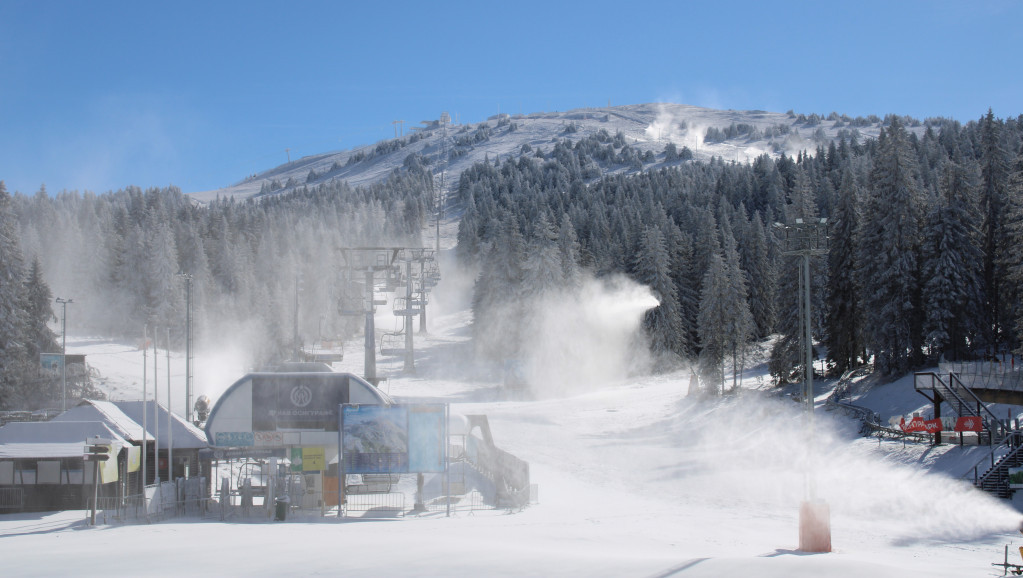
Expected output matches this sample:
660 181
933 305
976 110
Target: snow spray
753 449
586 337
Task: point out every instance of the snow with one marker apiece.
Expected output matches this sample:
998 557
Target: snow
635 478
646 127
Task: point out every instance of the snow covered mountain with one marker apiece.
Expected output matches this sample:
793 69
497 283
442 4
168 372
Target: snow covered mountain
450 148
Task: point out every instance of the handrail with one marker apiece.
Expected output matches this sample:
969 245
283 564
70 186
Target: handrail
980 404
1008 444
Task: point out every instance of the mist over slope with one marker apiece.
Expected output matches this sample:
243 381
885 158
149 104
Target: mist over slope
450 147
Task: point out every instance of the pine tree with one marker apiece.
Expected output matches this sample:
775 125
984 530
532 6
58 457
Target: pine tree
994 173
762 279
39 312
14 355
569 248
952 259
739 325
713 322
1014 238
542 266
663 324
888 263
844 314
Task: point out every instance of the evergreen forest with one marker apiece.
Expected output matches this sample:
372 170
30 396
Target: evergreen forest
924 260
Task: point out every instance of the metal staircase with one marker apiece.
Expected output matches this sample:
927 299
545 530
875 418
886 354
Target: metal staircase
996 479
963 403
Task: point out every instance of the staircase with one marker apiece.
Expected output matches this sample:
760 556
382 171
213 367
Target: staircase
996 479
963 402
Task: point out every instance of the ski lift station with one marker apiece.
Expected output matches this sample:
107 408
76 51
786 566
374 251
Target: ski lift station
290 435
266 419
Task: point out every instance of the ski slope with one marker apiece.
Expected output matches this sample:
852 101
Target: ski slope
636 478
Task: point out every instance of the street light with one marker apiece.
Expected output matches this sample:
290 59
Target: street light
188 344
63 352
809 237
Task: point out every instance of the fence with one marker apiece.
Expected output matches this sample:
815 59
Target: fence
12 498
182 497
390 504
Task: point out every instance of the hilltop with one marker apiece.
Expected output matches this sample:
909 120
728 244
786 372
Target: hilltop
449 147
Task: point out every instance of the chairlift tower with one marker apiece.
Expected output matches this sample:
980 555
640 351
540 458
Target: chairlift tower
385 264
808 238
369 261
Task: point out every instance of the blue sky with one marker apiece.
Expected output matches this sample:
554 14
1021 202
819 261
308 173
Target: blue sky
100 95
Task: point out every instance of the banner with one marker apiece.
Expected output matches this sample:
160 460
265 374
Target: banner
933 425
969 423
306 402
915 425
394 439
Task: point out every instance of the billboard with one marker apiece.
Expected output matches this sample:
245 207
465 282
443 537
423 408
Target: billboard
53 362
393 439
1016 478
308 401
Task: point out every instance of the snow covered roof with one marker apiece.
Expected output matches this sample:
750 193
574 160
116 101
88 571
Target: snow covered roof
50 439
108 413
186 435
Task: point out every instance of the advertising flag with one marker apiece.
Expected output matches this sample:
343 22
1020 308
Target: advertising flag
917 424
969 423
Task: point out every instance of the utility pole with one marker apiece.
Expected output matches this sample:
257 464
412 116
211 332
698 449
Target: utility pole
288 152
410 362
809 238
296 345
370 363
170 414
63 352
156 409
188 345
145 404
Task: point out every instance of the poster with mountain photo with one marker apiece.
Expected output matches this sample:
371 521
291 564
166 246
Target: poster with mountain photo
375 439
1016 478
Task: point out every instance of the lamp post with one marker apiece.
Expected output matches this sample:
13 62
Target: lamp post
63 351
188 345
807 238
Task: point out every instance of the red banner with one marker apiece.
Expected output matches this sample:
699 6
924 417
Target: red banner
969 423
933 425
916 424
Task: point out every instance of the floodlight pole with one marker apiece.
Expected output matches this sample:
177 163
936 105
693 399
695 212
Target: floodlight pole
410 363
808 238
63 352
370 363
188 345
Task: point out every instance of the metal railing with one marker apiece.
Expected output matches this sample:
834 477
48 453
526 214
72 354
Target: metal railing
962 401
995 466
385 505
12 498
991 374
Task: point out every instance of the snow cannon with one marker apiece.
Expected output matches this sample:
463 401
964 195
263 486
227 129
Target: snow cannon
202 408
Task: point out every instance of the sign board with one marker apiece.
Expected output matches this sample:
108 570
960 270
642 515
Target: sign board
268 438
306 402
1016 478
232 454
51 362
235 439
313 459
393 439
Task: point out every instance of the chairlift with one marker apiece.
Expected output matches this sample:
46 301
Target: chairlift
403 307
392 343
350 302
325 351
394 279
